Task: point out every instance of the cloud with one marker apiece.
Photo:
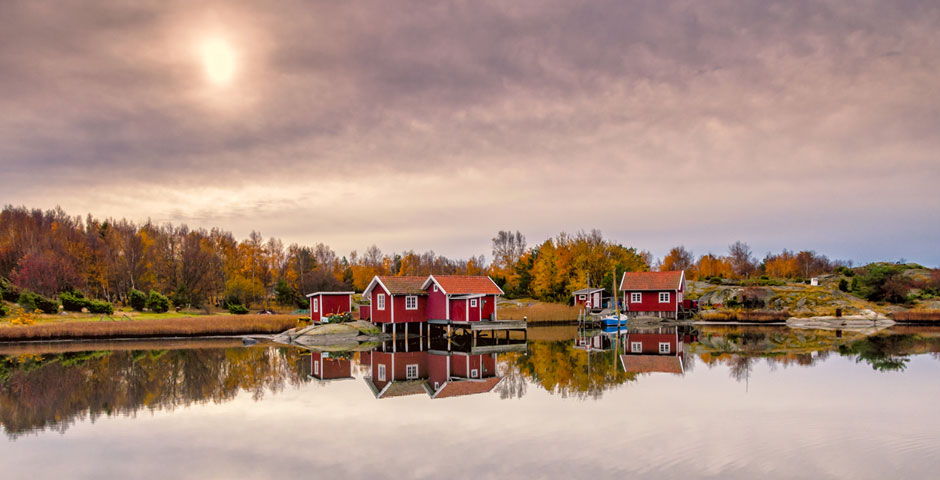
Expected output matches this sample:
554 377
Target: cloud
437 123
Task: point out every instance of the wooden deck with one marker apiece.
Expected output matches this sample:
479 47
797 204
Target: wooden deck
483 326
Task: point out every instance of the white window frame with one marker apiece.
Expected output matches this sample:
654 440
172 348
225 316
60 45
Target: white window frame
380 301
581 297
381 372
664 347
664 297
435 287
437 386
474 373
636 297
411 371
473 302
316 367
316 305
636 347
411 302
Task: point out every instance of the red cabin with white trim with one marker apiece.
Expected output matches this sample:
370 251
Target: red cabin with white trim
454 374
588 297
656 294
397 299
461 298
324 304
323 367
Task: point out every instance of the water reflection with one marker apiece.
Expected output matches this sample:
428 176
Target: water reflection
54 388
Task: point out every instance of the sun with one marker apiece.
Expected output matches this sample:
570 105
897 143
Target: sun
218 60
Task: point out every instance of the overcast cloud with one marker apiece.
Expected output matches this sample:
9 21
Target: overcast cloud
431 125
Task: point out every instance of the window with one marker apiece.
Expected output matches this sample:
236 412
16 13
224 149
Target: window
411 371
580 297
663 347
474 373
663 297
380 301
381 373
473 302
636 297
636 347
316 367
437 386
316 305
435 287
411 302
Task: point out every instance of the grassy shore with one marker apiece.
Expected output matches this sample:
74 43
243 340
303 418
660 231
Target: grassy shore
537 312
88 327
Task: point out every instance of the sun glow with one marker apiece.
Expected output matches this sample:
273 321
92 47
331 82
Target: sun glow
218 59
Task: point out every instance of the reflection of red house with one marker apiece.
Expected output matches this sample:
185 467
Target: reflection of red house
324 304
461 298
656 294
397 300
453 374
653 350
398 374
588 295
323 367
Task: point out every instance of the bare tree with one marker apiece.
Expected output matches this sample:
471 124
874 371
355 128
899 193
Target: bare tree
742 261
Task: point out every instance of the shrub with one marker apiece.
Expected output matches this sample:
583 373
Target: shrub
95 306
237 309
339 318
3 311
8 291
157 303
714 280
73 301
33 301
138 300
843 285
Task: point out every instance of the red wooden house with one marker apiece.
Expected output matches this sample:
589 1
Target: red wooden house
323 367
396 300
588 296
461 298
324 304
454 374
657 294
398 374
654 350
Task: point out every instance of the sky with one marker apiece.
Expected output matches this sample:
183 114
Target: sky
431 125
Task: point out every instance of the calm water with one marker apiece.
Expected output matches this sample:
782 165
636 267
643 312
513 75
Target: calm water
729 402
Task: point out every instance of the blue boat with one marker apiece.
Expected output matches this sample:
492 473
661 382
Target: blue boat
611 321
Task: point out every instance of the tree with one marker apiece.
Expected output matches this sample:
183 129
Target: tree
137 300
157 303
742 263
677 259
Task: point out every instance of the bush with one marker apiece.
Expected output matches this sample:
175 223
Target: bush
95 306
237 309
73 301
158 303
138 300
843 285
3 311
339 318
33 301
8 291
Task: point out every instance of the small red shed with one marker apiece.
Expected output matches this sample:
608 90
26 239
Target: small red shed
656 294
324 304
324 367
588 296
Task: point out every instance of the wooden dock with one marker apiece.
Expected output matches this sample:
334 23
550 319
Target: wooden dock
476 328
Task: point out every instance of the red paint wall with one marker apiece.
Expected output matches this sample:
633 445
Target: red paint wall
437 304
330 368
437 369
474 312
489 306
381 316
458 310
650 302
651 342
333 304
406 316
365 312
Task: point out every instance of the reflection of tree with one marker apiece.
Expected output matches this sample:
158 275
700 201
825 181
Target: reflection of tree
513 384
40 391
559 368
886 353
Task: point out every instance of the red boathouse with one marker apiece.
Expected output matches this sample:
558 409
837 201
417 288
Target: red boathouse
324 304
590 297
655 294
397 300
461 298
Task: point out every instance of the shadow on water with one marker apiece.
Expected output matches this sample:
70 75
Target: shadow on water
52 387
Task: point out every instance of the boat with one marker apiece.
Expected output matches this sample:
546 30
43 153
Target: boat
614 320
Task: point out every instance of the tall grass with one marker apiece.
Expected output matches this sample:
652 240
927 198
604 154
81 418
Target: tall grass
168 327
917 316
755 316
539 312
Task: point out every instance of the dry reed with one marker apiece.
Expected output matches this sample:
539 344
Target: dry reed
540 312
755 316
169 327
915 316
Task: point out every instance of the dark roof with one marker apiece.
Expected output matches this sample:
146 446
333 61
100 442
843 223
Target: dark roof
458 388
650 280
467 284
400 388
403 285
586 290
652 363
